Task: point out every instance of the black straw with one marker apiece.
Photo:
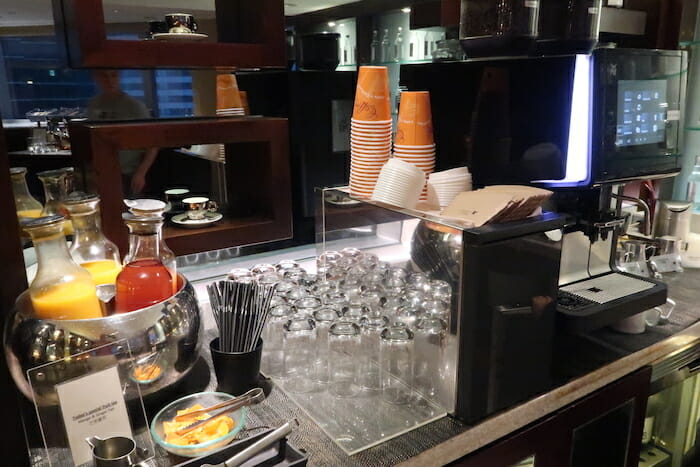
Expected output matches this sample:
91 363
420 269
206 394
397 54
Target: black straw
240 310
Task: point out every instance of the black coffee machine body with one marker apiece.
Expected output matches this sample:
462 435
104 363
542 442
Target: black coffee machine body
576 124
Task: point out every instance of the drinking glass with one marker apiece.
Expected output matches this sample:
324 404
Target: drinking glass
307 305
296 293
286 264
324 318
351 253
372 299
272 363
409 315
371 328
296 275
355 312
396 364
328 258
240 275
283 287
430 347
299 349
263 268
440 290
344 345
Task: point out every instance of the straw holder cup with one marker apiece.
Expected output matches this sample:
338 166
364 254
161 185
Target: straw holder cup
236 372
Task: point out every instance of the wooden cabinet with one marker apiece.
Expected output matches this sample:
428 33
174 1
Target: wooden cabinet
256 170
250 35
603 429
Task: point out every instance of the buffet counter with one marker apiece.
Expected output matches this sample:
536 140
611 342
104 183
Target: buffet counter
447 439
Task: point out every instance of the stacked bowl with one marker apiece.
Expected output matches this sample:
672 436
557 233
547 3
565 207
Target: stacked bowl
414 142
400 184
370 130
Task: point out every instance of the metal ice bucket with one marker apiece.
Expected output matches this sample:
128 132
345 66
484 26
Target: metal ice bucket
165 334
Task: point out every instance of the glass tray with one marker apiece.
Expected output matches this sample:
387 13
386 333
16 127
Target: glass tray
359 423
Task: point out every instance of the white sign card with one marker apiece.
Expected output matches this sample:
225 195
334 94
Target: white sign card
93 405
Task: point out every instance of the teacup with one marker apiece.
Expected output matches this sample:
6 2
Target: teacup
174 196
196 207
157 27
181 23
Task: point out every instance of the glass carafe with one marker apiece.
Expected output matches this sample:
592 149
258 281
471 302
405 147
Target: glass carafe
27 206
90 248
144 280
156 208
55 186
61 288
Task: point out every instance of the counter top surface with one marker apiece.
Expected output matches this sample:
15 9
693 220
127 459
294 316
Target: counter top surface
447 439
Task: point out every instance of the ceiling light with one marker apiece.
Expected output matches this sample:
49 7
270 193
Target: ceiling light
406 9
331 24
30 82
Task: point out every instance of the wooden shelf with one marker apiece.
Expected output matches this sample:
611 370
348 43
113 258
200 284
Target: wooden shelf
258 181
251 35
243 231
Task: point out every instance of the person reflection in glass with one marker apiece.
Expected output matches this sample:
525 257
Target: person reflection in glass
114 104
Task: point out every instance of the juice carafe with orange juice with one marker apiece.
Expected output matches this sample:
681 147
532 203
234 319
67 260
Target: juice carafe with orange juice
144 280
27 206
90 248
61 288
55 186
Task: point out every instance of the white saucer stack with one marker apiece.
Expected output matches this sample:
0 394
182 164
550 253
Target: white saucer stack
443 187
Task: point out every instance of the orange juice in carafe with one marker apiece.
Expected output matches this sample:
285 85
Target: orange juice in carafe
71 300
90 247
61 288
29 213
103 271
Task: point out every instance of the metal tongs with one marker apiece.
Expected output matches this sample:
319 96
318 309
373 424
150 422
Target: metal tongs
252 397
258 447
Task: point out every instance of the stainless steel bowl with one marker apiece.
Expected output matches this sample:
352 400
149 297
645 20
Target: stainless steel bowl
165 334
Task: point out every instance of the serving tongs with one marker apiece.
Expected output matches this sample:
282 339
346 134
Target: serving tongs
252 397
259 446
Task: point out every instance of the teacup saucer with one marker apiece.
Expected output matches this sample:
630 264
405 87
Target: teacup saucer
181 36
209 218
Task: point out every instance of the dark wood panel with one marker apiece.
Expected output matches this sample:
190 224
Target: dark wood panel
257 166
13 283
550 440
260 39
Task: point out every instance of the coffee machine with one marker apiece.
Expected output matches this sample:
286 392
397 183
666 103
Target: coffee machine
579 125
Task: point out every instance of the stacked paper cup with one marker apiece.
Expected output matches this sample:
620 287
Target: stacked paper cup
414 141
370 131
228 97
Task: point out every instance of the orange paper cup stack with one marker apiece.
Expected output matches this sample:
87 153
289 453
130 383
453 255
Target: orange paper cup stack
414 141
370 131
228 97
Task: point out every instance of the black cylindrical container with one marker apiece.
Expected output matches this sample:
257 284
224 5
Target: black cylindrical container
498 27
567 27
320 51
236 372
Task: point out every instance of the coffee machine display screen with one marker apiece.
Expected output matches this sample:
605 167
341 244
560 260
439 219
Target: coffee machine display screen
641 112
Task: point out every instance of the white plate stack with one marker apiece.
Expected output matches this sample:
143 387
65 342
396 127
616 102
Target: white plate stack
443 187
400 184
